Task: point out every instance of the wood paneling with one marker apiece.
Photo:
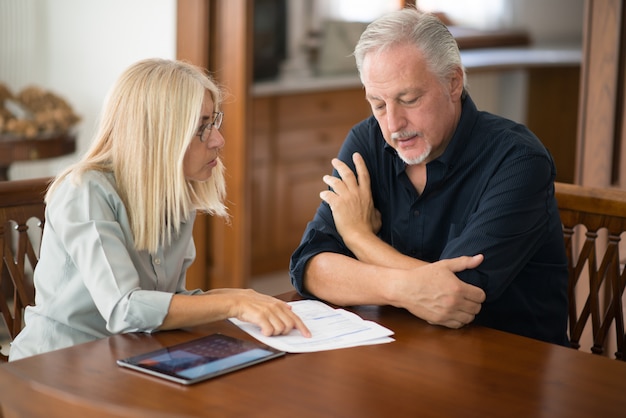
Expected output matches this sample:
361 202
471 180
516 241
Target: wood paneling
192 39
214 34
601 115
295 137
551 114
230 61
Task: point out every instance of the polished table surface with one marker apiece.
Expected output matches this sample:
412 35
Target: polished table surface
428 371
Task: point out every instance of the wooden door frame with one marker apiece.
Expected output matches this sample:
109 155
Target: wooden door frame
217 35
601 149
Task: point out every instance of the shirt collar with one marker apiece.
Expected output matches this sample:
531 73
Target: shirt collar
469 114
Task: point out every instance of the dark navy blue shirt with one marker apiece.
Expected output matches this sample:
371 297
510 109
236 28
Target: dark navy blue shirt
491 192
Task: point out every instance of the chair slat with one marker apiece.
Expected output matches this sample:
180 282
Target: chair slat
594 260
20 202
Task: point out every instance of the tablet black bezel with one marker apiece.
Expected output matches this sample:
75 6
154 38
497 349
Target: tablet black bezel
134 362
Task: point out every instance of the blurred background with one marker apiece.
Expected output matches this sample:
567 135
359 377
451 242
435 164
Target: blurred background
302 95
77 48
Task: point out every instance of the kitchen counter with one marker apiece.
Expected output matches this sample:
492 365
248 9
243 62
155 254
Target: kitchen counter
474 60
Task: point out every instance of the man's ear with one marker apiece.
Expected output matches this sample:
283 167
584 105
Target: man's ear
456 84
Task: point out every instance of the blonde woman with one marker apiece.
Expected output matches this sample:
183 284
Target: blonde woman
118 234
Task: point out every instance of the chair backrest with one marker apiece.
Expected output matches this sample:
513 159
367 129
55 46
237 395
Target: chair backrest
593 220
21 225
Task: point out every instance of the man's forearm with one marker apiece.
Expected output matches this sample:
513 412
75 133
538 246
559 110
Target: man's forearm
370 249
344 281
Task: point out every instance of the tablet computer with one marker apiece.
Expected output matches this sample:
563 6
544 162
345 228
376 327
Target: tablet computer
201 359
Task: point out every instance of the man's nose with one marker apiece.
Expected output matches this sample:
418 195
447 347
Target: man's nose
396 118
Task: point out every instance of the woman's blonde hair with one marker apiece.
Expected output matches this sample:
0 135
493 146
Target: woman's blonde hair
150 117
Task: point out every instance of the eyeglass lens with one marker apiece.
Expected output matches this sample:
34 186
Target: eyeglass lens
217 120
216 123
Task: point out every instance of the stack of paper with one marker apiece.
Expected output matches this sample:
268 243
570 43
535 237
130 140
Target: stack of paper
330 328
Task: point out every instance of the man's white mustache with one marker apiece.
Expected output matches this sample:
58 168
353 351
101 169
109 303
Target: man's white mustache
403 135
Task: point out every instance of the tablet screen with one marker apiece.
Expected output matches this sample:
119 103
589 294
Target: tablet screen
201 359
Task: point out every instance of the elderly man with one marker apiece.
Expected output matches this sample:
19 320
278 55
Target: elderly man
434 206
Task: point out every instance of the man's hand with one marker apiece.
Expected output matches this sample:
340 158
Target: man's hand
351 200
431 291
438 295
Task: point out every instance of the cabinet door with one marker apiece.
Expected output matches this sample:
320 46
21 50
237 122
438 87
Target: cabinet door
295 137
297 198
320 142
262 213
312 110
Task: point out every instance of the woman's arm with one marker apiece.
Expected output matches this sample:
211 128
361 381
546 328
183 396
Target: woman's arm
274 316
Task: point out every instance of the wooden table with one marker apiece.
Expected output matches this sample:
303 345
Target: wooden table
428 371
13 149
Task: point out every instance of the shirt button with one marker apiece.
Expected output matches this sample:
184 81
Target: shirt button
157 261
416 213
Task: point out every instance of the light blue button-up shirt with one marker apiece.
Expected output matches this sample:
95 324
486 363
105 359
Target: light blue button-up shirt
90 280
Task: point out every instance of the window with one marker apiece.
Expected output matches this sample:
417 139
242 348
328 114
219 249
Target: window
356 10
481 14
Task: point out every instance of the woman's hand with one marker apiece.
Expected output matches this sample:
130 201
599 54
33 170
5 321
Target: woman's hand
274 316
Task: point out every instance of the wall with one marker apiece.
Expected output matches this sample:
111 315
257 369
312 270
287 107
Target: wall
77 48
548 22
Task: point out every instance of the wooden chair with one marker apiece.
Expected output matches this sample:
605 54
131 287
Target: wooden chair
21 207
596 275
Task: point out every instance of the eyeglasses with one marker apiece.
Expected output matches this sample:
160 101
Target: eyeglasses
204 132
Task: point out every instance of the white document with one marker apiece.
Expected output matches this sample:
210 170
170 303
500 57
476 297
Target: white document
330 328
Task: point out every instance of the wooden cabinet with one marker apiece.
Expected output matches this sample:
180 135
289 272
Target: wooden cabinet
295 136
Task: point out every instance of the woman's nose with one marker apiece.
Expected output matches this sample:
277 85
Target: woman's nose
216 139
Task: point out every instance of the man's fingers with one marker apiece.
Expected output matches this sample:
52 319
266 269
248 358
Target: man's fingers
464 262
334 183
471 293
344 172
363 176
475 261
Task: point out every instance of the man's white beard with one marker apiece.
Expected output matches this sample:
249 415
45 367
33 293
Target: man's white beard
419 159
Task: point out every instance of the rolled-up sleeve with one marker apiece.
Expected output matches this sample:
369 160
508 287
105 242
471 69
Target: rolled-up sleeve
320 236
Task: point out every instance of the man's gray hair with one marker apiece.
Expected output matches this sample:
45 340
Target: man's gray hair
410 26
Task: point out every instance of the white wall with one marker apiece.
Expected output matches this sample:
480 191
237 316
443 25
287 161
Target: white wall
77 48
